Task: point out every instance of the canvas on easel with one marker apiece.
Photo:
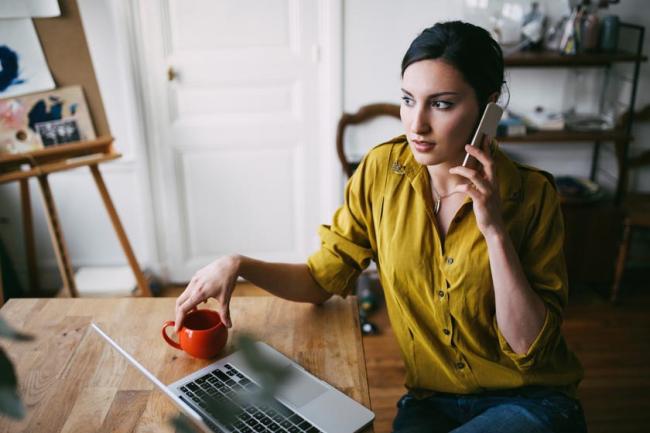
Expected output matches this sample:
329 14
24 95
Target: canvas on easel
44 119
64 45
23 66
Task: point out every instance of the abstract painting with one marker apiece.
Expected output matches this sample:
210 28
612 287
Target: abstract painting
23 68
38 120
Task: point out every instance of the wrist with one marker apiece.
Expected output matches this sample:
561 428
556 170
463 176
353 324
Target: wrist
237 263
495 235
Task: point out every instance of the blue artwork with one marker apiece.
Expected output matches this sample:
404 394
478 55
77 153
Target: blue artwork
8 68
23 68
32 121
39 112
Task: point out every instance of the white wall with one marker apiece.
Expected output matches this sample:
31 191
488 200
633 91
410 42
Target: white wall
375 36
87 229
378 32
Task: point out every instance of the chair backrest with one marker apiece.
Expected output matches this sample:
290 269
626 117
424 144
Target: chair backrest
365 113
635 162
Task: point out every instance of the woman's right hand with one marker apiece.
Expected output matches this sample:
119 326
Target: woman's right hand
216 280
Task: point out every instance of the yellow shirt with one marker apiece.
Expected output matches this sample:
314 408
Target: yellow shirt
440 295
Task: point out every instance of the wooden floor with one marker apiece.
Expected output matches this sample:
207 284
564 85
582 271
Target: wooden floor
612 341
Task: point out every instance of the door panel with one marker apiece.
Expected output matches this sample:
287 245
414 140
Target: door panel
209 24
260 221
237 155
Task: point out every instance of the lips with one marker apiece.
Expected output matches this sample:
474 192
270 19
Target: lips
423 146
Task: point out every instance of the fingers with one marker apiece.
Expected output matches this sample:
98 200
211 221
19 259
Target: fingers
186 293
190 304
485 160
192 297
179 314
215 280
223 307
469 189
188 301
224 312
477 181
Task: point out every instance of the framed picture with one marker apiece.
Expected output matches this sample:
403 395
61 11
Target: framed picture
44 119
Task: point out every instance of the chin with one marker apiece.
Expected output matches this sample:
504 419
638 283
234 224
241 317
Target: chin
429 158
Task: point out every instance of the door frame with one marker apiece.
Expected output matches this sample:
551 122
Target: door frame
330 91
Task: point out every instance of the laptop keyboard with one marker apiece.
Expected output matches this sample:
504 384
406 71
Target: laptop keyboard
222 385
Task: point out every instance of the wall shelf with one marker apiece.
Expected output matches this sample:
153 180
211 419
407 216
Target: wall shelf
565 136
590 258
553 59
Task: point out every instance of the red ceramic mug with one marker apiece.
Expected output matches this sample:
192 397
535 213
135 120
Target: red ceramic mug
202 335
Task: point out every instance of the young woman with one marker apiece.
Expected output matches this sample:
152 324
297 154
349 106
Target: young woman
470 258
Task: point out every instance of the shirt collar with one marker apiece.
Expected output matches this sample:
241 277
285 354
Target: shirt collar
510 182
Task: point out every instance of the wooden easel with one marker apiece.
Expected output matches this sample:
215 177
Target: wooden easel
66 51
40 164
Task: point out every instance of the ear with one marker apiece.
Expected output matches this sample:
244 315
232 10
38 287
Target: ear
494 97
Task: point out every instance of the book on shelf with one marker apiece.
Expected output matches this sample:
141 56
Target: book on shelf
510 125
544 120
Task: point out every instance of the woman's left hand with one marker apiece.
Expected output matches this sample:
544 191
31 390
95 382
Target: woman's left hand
483 188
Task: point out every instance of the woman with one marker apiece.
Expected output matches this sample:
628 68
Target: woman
470 258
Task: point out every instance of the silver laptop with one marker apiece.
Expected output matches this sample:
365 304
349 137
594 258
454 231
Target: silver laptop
304 402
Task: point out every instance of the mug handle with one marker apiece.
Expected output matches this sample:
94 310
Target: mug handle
166 337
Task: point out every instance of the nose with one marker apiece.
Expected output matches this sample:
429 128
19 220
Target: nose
420 124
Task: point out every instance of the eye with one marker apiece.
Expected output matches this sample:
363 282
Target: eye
407 101
442 105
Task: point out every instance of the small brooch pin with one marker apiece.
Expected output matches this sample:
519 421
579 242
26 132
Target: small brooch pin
398 168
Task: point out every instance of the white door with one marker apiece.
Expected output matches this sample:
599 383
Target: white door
232 98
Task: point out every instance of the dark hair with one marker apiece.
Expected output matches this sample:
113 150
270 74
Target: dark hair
468 48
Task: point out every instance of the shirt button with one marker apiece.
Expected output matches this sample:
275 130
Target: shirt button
450 260
460 365
441 294
446 331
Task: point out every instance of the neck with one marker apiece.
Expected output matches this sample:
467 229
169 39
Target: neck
442 181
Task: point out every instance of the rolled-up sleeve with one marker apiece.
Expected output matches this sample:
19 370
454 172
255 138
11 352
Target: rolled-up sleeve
346 247
543 262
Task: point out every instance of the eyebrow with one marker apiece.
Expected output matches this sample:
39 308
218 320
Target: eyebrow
433 95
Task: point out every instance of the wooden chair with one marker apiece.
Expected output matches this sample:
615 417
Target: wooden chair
365 113
636 207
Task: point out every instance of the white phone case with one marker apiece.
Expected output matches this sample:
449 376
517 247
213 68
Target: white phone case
487 126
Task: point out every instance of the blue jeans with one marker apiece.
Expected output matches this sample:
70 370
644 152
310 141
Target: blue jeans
522 410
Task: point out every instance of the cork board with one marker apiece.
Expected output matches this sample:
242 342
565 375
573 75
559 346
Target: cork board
66 52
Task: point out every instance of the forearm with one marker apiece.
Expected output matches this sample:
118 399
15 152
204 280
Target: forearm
286 280
520 312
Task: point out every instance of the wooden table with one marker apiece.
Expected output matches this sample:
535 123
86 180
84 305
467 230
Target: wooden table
72 381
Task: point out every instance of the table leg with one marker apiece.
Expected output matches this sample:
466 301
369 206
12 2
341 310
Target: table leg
56 234
30 244
119 230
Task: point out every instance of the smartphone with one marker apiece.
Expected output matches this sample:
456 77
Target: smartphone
487 126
